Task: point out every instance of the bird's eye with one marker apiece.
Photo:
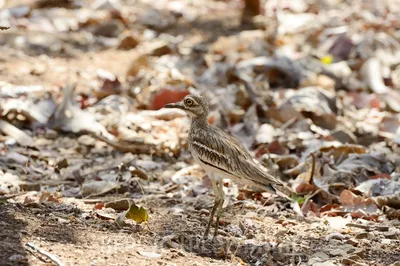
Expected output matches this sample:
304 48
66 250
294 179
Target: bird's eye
189 102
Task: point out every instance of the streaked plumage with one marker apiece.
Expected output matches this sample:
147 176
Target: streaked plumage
213 148
220 154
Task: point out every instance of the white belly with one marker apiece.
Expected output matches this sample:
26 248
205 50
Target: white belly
215 173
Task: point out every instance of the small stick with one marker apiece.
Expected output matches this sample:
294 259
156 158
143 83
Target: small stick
6 197
310 197
52 257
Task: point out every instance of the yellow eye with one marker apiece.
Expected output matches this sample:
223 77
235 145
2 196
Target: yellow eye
188 102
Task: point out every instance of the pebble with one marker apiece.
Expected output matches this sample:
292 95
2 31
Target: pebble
352 242
348 261
159 48
234 230
17 258
359 252
362 235
390 234
128 42
335 235
111 28
337 252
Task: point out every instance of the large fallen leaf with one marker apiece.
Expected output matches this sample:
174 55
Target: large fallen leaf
379 187
357 205
376 163
35 111
135 212
138 214
70 118
341 152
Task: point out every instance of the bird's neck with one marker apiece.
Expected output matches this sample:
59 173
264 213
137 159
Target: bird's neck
199 121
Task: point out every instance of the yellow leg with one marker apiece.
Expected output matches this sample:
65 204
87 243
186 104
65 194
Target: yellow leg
220 205
216 204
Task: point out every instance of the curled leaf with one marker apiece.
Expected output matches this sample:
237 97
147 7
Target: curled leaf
138 214
135 212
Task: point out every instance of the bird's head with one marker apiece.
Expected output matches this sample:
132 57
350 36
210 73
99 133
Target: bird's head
195 106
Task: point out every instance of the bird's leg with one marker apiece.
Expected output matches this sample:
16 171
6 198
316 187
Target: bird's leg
220 205
216 204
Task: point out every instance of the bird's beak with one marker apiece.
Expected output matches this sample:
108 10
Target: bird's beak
174 105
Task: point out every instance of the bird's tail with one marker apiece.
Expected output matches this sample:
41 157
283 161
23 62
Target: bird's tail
281 190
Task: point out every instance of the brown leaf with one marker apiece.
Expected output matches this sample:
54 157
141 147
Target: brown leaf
357 204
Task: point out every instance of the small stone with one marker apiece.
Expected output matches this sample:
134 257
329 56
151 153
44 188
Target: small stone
321 255
87 140
390 235
362 235
128 42
348 261
354 257
386 241
281 232
337 252
17 158
359 252
325 82
251 215
234 230
17 258
352 242
111 29
159 48
50 134
335 235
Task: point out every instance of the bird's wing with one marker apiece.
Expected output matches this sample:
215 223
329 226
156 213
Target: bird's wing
220 150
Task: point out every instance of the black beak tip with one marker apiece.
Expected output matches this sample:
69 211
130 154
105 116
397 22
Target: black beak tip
169 105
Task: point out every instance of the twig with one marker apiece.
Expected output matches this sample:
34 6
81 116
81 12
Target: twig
6 197
52 257
312 167
309 197
136 147
4 28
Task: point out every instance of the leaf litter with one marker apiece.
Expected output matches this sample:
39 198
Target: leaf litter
311 90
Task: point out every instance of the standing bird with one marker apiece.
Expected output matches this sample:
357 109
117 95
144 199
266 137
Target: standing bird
220 155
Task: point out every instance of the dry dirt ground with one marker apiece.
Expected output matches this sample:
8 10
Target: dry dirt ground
252 237
272 235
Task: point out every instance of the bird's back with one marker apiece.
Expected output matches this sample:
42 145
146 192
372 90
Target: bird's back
216 150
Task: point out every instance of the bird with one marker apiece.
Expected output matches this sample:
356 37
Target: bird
220 155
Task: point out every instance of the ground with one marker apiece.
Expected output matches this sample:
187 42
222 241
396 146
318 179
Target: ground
257 230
